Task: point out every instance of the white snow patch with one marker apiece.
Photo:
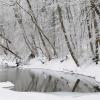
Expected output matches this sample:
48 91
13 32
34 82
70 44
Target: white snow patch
6 94
57 64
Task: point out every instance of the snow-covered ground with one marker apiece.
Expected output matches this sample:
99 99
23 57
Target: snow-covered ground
6 94
58 64
67 65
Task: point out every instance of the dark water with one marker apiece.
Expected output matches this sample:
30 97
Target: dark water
47 80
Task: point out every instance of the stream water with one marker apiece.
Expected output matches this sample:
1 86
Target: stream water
47 81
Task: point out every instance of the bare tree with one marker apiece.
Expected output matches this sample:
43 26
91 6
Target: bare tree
40 31
96 31
66 38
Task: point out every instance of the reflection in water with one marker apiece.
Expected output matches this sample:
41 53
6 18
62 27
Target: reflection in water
47 80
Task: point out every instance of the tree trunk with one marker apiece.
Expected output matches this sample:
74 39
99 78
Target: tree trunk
66 38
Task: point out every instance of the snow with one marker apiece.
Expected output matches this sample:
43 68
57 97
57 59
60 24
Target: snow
54 64
12 95
6 61
46 13
67 65
6 94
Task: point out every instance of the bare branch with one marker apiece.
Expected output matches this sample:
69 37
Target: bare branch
10 51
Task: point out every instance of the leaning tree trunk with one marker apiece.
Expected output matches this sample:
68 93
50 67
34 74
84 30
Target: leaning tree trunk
41 33
96 32
90 35
66 38
20 21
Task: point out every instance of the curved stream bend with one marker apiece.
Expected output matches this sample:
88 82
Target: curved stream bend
43 80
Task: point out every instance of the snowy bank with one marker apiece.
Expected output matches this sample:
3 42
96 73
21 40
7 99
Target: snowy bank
6 94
